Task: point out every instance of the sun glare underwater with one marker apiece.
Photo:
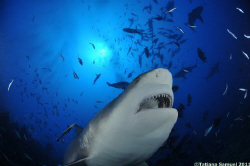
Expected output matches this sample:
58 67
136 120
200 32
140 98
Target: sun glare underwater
63 61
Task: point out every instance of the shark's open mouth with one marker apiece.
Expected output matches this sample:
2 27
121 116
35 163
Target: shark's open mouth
156 101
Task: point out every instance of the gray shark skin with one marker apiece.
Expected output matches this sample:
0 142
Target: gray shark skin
131 128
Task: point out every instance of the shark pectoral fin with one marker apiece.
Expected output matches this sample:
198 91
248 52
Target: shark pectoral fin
143 164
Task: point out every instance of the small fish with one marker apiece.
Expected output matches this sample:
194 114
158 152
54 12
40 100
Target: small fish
80 60
231 33
18 135
28 157
242 89
130 75
119 85
97 77
180 29
47 69
208 130
66 132
230 56
171 10
25 137
185 70
98 101
240 10
92 45
248 37
245 96
189 99
192 26
245 54
239 118
194 132
75 75
177 44
225 90
175 88
228 114
147 52
62 58
10 84
201 55
159 18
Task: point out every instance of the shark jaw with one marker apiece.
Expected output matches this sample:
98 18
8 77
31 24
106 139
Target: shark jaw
131 128
162 100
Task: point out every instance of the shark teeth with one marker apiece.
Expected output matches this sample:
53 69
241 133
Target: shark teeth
162 100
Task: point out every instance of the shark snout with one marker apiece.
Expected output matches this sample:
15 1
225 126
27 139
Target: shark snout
161 76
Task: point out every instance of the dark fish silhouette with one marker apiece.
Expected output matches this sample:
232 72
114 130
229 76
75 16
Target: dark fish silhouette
201 55
130 74
175 88
75 75
177 44
130 30
140 60
147 52
189 100
119 85
62 58
148 8
159 18
170 6
190 68
129 50
80 60
180 110
47 69
92 45
194 15
97 77
170 65
181 74
155 40
214 70
131 20
66 132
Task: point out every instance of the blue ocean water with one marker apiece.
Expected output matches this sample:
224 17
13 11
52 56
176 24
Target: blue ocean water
204 44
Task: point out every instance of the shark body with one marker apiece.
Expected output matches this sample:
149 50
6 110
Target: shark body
131 128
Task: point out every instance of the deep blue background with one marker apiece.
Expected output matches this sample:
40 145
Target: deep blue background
34 34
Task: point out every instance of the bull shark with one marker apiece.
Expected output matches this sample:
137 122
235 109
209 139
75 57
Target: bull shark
131 128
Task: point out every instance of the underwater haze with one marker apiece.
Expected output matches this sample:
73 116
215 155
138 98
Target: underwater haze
62 61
